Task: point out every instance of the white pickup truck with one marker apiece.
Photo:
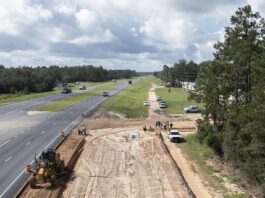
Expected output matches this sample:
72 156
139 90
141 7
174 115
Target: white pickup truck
174 135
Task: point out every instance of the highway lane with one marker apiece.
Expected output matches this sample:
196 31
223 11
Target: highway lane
19 151
16 112
37 102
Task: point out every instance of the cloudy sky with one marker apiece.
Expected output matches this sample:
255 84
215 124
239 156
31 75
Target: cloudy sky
117 34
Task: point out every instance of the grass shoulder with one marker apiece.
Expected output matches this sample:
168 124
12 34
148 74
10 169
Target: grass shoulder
129 102
216 178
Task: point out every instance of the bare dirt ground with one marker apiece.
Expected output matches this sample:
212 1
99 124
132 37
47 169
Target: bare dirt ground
112 166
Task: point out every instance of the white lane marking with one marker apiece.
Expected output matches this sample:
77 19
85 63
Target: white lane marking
4 143
28 143
43 132
9 158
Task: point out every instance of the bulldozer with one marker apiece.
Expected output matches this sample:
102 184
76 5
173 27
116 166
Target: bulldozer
48 168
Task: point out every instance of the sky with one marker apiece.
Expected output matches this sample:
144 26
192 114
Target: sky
141 35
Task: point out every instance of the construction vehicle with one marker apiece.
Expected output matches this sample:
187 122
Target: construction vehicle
48 168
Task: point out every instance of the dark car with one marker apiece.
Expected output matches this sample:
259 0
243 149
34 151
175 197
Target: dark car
105 94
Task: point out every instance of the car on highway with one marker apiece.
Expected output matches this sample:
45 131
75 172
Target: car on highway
105 94
146 103
83 87
174 135
192 109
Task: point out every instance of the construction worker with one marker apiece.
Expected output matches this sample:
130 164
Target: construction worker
79 130
171 125
84 130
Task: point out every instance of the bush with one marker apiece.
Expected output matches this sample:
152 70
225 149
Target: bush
210 135
12 90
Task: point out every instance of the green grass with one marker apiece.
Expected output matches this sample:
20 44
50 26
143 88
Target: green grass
200 153
177 99
67 102
130 101
10 98
232 179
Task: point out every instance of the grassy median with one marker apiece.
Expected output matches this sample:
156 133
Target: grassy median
176 99
130 101
72 100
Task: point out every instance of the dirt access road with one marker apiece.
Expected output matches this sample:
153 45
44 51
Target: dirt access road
113 166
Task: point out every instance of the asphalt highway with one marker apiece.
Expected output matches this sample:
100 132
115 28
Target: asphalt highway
42 131
13 118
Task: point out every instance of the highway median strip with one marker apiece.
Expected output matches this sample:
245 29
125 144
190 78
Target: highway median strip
72 100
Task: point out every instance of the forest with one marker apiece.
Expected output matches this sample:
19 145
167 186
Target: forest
41 79
232 87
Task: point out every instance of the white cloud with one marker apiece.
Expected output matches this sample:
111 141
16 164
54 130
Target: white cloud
87 20
100 37
15 16
172 34
143 34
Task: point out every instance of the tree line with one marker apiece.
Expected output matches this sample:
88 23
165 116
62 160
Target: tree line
233 89
181 71
40 79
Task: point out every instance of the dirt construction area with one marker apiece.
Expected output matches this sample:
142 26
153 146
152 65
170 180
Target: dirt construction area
111 165
119 159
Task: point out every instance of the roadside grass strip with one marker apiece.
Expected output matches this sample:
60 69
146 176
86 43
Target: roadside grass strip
72 100
130 101
176 99
199 154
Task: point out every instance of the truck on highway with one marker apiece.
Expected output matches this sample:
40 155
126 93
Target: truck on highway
66 90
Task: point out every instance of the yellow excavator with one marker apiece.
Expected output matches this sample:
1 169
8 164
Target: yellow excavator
49 168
